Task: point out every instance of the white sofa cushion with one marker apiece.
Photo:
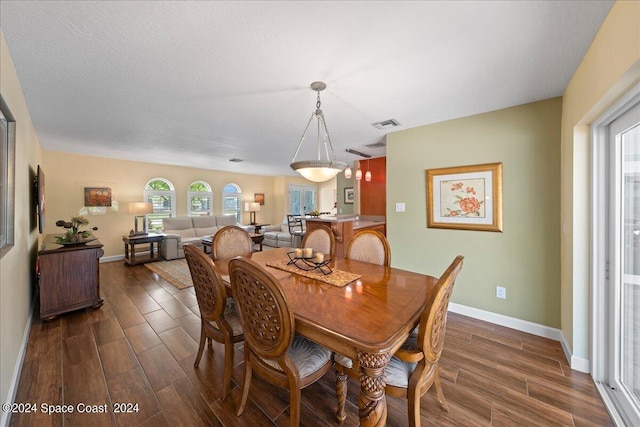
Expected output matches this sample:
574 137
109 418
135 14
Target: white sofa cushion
204 226
222 220
183 227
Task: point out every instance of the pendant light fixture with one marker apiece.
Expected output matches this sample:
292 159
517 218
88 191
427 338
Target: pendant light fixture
318 170
367 176
358 173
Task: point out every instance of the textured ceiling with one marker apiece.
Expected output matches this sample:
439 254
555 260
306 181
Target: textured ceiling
198 83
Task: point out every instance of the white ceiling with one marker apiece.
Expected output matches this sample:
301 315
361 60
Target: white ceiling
198 83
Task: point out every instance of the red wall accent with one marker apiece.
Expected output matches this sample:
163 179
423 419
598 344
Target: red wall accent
373 194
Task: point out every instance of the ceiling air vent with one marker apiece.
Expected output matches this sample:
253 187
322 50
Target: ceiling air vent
378 144
386 124
358 153
235 160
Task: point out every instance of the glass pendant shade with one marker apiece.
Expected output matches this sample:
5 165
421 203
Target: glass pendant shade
347 172
367 176
318 170
358 174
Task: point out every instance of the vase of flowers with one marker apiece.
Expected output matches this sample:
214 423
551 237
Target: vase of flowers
74 235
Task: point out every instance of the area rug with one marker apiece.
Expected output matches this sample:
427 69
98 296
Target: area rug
175 272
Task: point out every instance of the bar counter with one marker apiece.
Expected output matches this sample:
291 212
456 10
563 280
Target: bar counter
344 226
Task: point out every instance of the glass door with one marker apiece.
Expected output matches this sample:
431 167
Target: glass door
302 199
623 292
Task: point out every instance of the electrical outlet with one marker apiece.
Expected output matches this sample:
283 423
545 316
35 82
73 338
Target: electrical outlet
501 292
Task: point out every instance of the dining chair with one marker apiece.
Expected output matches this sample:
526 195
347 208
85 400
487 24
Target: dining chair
414 368
218 319
231 241
322 240
369 246
272 348
296 229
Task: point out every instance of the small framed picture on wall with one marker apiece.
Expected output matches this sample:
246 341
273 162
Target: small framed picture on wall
348 195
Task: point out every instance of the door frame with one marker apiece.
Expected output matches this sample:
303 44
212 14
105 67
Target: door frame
600 229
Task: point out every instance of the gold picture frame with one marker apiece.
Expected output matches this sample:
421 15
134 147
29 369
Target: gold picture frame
465 197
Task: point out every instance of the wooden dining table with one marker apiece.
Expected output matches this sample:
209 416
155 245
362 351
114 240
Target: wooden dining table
367 319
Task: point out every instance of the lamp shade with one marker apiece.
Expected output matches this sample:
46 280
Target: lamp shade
140 208
317 171
254 206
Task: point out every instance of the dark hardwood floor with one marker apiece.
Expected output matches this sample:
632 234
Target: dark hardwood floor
139 347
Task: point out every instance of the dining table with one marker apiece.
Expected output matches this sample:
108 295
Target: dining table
366 314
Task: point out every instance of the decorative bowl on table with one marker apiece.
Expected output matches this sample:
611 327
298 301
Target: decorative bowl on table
73 235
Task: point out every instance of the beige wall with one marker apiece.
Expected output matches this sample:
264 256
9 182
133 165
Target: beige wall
65 191
609 68
525 257
17 266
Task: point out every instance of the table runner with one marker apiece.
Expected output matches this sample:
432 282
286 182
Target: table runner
336 278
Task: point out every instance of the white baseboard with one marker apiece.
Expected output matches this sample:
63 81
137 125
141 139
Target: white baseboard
577 363
112 258
5 417
509 322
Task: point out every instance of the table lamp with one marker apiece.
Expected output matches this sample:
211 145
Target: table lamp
252 207
140 209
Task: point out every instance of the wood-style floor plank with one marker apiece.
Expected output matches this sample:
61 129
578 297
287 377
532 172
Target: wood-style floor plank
139 348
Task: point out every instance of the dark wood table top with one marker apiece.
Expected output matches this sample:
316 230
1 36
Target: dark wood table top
374 314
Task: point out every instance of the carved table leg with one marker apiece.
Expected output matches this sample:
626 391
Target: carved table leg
372 403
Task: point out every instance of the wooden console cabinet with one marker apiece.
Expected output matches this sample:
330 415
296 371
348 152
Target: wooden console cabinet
68 277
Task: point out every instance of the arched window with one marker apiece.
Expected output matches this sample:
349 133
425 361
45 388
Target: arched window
199 199
231 201
161 193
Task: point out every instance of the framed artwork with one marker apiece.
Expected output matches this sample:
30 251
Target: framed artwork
465 197
97 196
7 177
348 195
258 198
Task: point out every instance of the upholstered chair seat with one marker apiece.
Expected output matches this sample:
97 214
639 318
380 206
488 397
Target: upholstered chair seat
308 356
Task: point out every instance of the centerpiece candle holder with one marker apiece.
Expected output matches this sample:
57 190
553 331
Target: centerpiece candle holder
314 262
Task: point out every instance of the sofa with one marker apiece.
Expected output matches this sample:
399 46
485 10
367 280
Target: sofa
277 236
182 230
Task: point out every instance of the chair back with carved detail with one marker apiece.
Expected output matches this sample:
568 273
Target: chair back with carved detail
272 349
218 321
322 240
414 368
369 246
231 241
